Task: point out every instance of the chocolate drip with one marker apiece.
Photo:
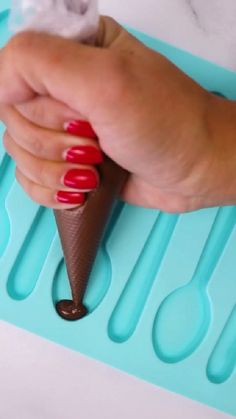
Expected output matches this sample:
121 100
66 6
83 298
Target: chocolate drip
81 231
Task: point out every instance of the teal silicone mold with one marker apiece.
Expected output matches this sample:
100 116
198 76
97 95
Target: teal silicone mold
162 294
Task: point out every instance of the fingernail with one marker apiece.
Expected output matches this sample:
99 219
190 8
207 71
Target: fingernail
84 179
70 197
84 155
80 128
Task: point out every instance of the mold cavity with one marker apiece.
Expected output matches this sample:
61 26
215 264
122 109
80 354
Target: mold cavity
129 308
183 318
6 180
4 15
180 324
222 361
30 260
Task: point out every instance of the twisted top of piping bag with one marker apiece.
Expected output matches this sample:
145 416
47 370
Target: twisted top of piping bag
69 18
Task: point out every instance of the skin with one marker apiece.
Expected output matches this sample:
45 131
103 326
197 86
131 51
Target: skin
176 140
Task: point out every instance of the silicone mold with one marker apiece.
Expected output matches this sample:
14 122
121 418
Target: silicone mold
162 294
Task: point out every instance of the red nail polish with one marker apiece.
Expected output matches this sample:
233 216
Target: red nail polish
84 155
70 197
84 179
80 129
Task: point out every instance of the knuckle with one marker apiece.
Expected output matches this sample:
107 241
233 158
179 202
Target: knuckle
37 112
30 188
27 185
42 175
30 111
36 144
33 191
179 207
174 205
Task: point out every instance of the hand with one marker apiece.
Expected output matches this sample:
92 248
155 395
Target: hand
149 117
54 162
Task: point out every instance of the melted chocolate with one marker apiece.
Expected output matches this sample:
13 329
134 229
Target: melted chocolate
81 231
69 311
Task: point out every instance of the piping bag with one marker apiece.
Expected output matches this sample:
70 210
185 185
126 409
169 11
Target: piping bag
80 229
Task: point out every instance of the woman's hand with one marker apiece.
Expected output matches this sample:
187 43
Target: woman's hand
149 117
55 160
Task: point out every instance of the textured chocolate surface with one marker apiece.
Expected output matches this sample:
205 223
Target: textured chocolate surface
81 231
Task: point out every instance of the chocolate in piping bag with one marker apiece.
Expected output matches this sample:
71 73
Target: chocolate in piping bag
80 229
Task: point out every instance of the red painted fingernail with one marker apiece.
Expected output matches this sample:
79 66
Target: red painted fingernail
80 128
84 179
84 154
70 197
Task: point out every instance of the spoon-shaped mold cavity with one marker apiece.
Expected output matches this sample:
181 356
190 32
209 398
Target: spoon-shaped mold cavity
180 324
183 318
30 260
6 180
222 362
130 305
